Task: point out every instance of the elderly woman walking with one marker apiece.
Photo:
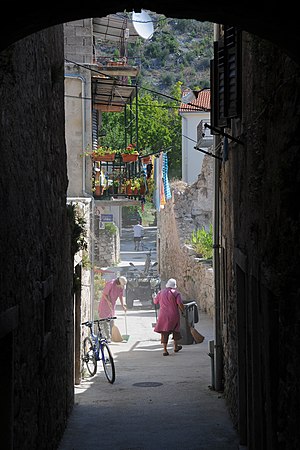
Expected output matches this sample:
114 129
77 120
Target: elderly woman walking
168 322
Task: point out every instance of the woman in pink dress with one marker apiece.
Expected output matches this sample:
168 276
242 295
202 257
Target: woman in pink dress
113 290
168 322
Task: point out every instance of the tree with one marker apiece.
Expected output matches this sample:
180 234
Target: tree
159 127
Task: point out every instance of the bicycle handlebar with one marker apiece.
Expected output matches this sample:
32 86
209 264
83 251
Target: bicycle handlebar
89 322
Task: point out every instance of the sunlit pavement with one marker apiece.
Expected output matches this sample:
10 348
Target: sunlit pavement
157 402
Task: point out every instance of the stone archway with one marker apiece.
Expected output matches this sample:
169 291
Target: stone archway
28 22
278 25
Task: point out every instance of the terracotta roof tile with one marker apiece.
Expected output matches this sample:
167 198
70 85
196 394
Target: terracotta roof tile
201 103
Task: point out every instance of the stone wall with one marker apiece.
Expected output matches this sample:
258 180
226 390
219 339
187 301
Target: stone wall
260 186
107 246
190 208
36 307
79 41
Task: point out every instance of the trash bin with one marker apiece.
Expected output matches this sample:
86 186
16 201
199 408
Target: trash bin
191 317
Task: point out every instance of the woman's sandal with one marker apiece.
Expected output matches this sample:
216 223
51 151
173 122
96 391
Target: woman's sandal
179 347
166 353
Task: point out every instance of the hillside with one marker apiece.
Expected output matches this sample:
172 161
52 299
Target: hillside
180 50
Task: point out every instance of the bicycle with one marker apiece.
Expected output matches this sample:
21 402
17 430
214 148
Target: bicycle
148 267
95 348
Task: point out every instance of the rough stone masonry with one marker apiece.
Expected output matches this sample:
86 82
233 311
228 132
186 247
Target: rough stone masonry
190 208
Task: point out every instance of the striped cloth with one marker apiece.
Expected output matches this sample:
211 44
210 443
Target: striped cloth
167 189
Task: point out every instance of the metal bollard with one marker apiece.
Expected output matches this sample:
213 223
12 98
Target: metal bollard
211 354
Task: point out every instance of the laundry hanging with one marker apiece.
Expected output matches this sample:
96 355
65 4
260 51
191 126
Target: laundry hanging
167 189
156 193
161 182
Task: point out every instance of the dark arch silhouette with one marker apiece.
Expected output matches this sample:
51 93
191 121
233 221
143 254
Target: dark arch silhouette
278 24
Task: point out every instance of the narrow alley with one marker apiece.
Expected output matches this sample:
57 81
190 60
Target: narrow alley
155 403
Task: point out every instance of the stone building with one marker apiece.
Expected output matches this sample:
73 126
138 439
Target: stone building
36 289
257 247
257 231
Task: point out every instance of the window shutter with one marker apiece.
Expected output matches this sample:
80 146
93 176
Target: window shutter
232 55
224 78
222 94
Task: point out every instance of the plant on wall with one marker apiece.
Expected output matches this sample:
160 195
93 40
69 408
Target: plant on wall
202 242
78 228
110 228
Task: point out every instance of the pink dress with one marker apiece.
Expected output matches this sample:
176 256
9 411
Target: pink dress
107 308
169 316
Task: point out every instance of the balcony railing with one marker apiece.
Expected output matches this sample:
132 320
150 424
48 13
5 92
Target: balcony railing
119 179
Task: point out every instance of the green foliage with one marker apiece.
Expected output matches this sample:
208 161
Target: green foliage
175 44
202 242
113 124
86 263
168 79
178 53
111 228
149 213
78 228
159 127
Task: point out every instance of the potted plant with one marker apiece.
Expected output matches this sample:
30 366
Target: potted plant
128 187
136 184
146 159
150 189
102 153
130 154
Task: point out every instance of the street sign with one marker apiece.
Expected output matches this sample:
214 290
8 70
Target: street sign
106 218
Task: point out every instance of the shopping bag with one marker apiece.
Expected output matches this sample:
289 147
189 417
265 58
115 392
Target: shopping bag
198 338
115 334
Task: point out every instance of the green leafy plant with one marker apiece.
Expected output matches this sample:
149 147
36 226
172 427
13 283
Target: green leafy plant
100 151
86 263
130 150
202 242
103 150
111 228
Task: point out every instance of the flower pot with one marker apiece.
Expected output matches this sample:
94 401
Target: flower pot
115 63
129 157
128 190
146 159
98 190
106 158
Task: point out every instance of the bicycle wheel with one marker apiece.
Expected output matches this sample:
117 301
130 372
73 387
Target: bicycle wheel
88 356
108 363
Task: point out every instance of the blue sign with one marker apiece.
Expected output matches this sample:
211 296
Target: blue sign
106 218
